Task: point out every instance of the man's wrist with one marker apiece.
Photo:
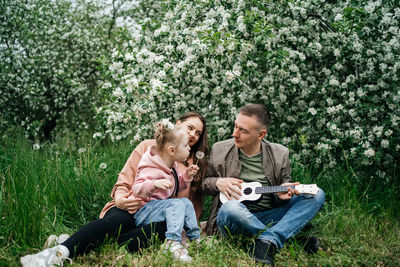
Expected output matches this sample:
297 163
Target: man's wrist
218 183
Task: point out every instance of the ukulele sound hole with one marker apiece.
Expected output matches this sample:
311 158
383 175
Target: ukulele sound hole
247 191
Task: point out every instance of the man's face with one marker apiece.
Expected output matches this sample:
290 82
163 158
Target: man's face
246 131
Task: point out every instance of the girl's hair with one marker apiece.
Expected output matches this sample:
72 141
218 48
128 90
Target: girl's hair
164 134
201 145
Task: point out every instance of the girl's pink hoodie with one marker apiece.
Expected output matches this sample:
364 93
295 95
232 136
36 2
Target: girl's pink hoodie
151 167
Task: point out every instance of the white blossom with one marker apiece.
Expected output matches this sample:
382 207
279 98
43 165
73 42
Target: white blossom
313 111
338 17
295 80
118 92
229 76
334 82
369 152
129 57
370 7
385 143
378 130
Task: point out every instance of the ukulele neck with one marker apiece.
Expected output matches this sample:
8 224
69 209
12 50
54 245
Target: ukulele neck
272 189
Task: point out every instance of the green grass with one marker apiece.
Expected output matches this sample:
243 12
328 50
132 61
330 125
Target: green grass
57 190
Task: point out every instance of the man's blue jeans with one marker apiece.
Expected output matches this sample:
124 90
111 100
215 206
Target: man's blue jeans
177 212
275 225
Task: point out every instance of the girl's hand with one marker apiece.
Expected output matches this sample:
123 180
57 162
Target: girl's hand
163 184
192 170
128 202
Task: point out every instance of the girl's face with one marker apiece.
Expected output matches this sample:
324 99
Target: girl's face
182 148
193 127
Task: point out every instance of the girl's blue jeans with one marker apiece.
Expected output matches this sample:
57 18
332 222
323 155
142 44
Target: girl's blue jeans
275 225
178 213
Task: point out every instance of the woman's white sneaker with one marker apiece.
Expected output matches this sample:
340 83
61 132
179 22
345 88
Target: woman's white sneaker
49 257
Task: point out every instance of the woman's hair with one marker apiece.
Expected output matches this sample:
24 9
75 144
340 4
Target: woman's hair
166 132
201 145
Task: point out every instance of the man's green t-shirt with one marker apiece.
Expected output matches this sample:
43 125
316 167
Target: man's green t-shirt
252 172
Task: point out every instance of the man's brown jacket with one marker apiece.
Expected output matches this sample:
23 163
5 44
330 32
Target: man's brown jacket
224 163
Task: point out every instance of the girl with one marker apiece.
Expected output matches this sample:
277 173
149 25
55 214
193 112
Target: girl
158 179
196 127
116 219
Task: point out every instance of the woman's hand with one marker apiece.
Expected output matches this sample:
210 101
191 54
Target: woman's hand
291 192
126 201
192 170
163 184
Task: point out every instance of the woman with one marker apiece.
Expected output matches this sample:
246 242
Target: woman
196 127
116 218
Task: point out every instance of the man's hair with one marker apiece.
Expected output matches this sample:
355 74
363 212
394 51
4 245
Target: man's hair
261 112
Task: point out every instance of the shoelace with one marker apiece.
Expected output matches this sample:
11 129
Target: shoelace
59 260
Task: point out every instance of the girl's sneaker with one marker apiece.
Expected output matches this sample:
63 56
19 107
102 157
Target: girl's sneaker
54 240
177 250
49 257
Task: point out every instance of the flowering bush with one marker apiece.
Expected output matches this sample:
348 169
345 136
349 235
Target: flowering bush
48 61
328 71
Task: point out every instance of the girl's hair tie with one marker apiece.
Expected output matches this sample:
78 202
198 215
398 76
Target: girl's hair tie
167 125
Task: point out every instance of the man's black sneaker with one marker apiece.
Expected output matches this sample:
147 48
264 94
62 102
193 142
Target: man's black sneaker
263 252
311 245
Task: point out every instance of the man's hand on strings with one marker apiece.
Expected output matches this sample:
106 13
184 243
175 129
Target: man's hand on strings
290 192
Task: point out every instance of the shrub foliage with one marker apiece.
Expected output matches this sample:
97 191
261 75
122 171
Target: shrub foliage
49 56
327 70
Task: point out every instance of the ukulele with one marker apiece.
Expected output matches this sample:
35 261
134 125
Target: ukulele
253 191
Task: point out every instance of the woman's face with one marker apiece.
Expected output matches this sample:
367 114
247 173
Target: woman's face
194 128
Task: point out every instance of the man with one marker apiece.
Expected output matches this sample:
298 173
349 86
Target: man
249 158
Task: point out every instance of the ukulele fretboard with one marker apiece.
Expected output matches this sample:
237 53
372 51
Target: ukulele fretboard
272 189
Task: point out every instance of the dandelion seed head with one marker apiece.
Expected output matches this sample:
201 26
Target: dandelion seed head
103 165
200 154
